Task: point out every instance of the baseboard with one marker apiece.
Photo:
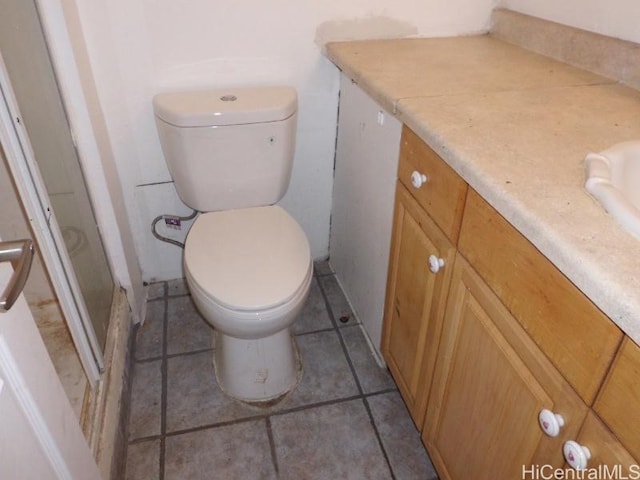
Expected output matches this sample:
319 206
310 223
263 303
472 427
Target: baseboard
105 417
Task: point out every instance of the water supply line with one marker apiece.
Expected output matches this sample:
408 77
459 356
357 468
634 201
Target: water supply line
167 239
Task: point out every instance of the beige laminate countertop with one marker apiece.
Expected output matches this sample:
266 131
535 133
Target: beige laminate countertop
516 126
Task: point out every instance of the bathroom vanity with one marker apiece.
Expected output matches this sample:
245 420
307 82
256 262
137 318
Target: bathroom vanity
512 313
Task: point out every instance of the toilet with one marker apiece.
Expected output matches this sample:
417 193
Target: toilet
247 262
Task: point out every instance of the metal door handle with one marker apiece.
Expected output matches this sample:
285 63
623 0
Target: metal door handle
22 252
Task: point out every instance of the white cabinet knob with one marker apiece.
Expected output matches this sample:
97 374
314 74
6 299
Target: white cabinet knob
550 422
435 263
418 179
576 455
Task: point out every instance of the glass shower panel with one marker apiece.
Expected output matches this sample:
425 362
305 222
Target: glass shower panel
31 73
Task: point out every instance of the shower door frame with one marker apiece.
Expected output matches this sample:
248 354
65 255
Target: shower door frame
35 200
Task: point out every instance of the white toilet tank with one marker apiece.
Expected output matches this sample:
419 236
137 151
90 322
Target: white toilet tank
228 148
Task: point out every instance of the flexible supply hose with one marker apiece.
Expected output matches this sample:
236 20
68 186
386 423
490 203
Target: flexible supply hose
167 239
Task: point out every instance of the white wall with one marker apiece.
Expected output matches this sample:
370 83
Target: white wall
614 18
139 48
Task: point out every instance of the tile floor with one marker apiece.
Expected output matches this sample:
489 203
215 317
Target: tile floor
345 420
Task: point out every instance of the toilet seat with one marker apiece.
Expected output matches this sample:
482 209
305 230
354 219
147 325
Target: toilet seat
247 259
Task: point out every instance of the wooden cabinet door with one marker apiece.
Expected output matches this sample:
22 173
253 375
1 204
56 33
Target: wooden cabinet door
415 301
490 383
618 403
576 336
606 451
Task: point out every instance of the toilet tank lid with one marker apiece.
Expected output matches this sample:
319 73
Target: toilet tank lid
228 106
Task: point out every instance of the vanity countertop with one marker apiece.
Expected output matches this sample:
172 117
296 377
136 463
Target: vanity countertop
516 126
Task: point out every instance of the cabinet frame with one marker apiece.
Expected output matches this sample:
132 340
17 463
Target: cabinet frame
528 311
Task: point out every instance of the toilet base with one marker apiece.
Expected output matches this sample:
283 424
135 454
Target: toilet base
259 370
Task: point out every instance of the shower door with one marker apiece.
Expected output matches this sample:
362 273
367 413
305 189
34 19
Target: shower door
45 135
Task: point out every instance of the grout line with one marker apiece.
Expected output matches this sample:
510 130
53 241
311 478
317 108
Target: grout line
322 330
272 446
164 182
211 349
345 350
309 406
181 354
367 407
381 392
148 360
365 402
149 438
179 295
227 423
190 352
261 416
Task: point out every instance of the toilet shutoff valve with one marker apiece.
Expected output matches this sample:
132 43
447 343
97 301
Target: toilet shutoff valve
173 222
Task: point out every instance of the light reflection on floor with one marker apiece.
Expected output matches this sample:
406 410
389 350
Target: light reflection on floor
62 351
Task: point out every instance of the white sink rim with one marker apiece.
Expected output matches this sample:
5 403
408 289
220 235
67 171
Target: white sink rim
601 170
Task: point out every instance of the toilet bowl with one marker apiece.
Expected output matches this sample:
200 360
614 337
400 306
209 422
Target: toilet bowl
249 272
247 262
